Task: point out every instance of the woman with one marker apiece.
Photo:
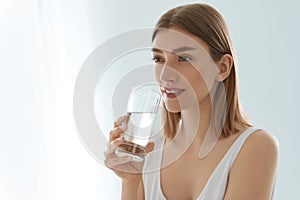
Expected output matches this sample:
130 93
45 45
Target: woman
196 69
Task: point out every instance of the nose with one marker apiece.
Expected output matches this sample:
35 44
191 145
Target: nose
168 74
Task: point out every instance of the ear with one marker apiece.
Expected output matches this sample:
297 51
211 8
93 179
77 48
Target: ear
224 67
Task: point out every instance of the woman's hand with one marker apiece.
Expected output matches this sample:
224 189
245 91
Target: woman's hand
123 166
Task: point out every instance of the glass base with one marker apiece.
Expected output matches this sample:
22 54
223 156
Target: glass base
135 158
133 150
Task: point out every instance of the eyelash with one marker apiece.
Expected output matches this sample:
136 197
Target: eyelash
184 58
158 59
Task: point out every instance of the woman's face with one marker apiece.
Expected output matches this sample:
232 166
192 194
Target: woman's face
184 69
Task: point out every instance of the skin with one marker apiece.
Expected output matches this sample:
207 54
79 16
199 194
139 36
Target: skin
253 172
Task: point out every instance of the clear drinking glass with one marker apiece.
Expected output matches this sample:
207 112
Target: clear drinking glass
142 108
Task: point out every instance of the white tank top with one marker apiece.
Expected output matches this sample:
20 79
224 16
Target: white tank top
216 184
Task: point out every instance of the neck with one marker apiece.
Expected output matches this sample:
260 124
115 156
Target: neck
196 119
192 133
194 125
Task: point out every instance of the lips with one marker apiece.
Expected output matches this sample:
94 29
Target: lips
171 92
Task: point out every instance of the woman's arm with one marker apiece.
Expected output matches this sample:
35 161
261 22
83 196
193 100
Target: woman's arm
252 175
129 171
132 190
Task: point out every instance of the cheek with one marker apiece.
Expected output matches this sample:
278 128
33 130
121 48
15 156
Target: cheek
197 84
204 79
206 71
193 77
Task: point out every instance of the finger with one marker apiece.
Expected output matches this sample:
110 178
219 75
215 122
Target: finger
149 147
113 145
120 121
116 133
109 152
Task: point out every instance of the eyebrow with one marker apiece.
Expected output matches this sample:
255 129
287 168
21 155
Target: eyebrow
178 50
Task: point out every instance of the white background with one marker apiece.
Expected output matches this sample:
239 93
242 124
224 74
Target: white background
42 47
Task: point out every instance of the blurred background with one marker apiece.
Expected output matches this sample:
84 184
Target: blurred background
44 43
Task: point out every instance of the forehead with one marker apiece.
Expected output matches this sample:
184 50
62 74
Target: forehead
170 39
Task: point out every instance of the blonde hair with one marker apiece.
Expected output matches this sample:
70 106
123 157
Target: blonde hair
207 23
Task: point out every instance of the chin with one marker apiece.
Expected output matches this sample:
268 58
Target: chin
172 108
172 105
175 108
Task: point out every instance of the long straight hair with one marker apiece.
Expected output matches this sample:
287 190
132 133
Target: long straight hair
206 23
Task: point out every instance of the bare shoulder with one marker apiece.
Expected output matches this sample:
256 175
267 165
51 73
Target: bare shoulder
253 172
260 148
261 143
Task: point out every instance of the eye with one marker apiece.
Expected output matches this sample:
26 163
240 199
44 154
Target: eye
184 58
157 59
